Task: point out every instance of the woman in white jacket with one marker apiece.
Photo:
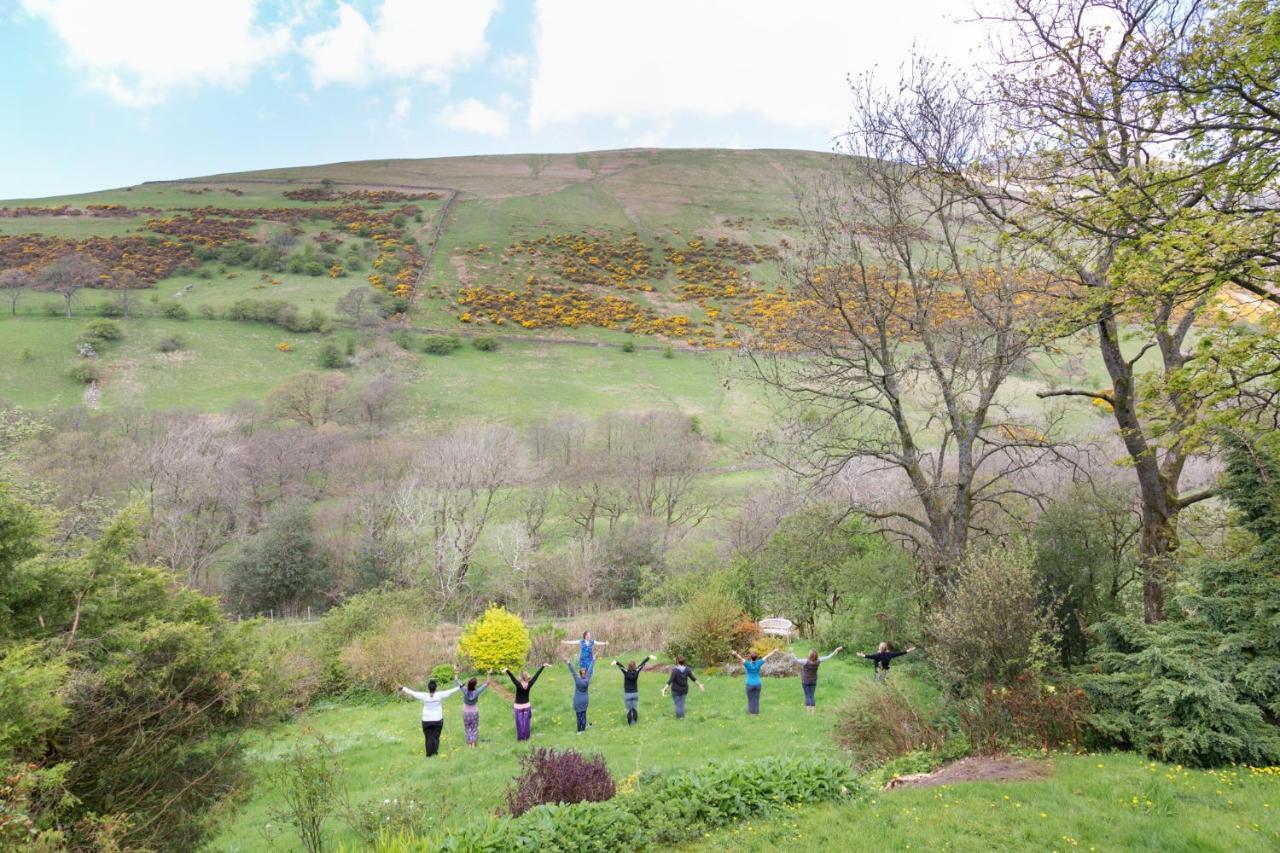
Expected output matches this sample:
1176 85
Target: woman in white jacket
432 713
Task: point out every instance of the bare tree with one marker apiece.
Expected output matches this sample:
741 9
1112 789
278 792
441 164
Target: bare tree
353 304
126 283
443 509
311 398
184 473
376 401
13 281
659 458
68 275
907 320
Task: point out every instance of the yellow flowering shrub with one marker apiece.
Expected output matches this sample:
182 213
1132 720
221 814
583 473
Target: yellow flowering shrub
496 640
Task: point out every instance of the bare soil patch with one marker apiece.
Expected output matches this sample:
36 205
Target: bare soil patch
987 768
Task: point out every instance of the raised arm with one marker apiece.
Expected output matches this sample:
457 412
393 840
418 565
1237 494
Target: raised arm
445 694
568 642
536 674
740 658
514 680
769 655
421 697
620 666
644 662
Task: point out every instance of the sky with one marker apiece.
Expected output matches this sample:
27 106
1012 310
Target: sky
109 93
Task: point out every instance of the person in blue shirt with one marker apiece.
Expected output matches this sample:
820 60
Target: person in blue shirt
752 668
586 650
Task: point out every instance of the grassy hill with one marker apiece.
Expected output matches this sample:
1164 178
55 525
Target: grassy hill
617 249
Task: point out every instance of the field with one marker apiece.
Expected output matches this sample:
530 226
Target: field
380 745
1087 802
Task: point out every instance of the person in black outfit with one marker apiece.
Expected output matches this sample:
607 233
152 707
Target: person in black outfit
631 688
523 710
678 681
881 659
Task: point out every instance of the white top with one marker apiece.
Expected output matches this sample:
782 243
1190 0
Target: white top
431 712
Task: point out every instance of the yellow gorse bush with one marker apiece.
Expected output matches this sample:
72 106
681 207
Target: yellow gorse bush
496 640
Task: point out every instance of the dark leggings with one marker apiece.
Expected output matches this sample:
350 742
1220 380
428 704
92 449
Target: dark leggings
753 699
431 733
809 690
582 719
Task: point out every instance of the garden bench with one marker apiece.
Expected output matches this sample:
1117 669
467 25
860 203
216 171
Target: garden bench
777 627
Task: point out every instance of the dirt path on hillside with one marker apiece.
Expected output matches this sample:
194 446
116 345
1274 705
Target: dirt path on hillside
987 768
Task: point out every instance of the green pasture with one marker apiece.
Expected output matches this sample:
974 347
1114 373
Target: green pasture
380 745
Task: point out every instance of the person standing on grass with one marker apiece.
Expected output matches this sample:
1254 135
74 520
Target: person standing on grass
678 681
809 675
881 659
752 668
471 709
520 705
581 698
586 651
432 713
631 688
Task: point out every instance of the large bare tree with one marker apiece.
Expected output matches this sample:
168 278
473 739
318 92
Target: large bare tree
906 319
443 508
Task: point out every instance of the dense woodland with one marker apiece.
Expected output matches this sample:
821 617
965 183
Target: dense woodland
1110 581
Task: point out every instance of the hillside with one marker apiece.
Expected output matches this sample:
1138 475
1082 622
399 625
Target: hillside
671 250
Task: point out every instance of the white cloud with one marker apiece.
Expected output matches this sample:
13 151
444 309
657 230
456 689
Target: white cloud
785 63
139 52
408 39
472 116
400 110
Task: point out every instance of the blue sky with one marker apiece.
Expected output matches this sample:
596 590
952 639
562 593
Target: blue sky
104 93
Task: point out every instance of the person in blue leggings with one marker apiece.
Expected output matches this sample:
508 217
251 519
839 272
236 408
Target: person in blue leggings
752 668
581 698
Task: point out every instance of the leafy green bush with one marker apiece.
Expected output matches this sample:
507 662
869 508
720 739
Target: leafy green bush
102 662
98 331
443 674
331 356
628 346
882 722
485 343
170 343
497 640
176 311
439 344
311 784
668 810
993 626
405 339
707 629
85 372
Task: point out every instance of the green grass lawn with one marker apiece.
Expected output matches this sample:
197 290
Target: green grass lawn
1087 802
380 746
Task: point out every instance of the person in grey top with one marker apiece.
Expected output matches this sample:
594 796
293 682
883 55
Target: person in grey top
581 684
809 675
471 709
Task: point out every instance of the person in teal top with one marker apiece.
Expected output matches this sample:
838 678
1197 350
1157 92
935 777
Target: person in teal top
752 668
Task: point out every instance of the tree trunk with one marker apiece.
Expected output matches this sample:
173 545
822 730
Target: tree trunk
1158 543
67 297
